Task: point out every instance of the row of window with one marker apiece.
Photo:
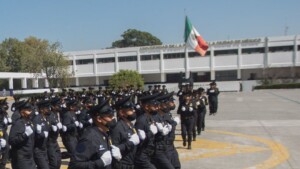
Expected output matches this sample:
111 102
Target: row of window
191 54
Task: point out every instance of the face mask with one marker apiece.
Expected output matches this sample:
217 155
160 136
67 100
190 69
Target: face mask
172 107
111 124
131 117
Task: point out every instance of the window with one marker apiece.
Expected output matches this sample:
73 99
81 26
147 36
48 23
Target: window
281 48
150 57
226 75
253 50
226 52
128 59
195 54
84 61
298 47
105 60
173 55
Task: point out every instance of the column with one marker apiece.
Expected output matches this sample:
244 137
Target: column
24 83
46 83
161 65
163 77
95 64
76 81
295 57
97 80
239 63
116 62
74 66
212 64
35 83
186 61
138 61
11 83
266 57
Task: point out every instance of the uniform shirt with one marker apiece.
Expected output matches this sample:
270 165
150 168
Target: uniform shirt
143 122
21 144
40 138
213 94
91 146
120 136
68 120
53 119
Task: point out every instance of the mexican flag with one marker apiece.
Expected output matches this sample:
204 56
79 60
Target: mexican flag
193 38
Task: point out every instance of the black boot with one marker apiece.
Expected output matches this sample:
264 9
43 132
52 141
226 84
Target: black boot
184 143
189 146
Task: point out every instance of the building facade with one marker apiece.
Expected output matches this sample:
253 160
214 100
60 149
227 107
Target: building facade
229 60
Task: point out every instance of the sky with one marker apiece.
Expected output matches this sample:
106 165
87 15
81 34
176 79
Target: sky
95 24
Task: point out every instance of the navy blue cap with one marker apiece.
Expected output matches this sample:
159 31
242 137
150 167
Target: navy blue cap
23 105
150 99
166 97
124 103
55 101
102 109
43 103
70 102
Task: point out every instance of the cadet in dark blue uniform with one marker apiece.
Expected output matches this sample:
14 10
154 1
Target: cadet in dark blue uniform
187 119
167 105
21 139
124 135
213 93
93 150
147 130
53 149
5 121
42 127
70 124
201 111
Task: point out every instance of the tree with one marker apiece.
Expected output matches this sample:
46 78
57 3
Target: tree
36 56
133 37
126 78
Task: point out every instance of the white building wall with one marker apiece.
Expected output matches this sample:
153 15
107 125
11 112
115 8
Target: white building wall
174 65
252 60
150 66
105 68
128 66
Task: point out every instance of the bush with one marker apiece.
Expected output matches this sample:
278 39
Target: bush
279 86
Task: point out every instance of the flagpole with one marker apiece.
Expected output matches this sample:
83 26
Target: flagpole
186 57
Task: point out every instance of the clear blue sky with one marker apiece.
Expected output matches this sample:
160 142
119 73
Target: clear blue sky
95 24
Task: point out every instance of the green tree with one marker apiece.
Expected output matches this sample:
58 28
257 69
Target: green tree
126 78
133 37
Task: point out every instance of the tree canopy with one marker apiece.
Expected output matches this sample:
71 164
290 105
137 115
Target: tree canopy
133 37
126 78
36 56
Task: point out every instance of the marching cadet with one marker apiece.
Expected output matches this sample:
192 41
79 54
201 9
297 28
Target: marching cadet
69 128
201 110
21 139
94 147
166 106
42 126
213 93
187 119
83 117
164 89
53 149
5 121
160 158
13 107
124 135
146 130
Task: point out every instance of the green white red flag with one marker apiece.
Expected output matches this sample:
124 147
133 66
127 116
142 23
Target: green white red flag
194 39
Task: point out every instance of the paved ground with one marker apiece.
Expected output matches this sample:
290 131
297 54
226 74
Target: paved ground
258 129
251 130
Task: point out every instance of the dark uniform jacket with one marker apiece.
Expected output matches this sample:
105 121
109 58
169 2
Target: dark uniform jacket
120 136
91 146
21 145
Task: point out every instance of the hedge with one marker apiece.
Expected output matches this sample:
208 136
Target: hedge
279 86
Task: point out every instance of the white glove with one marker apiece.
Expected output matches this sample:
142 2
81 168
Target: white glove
165 131
2 143
153 129
177 120
9 120
76 123
180 93
135 139
13 109
80 125
59 125
38 129
197 103
46 133
116 153
36 113
159 127
28 130
91 121
5 121
64 128
78 112
106 158
191 109
137 106
183 108
54 128
169 127
142 134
